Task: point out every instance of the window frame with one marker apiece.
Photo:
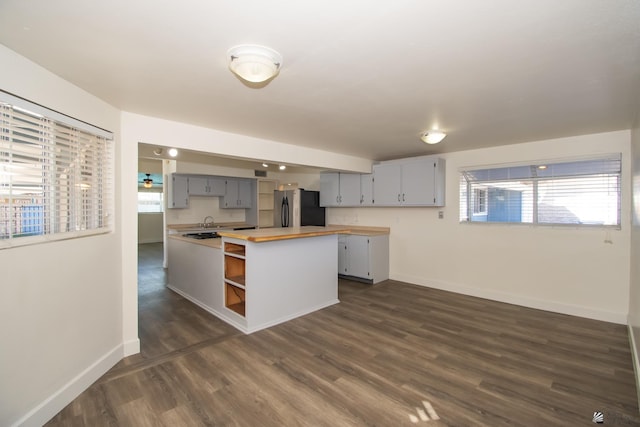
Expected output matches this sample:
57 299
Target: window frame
75 186
467 203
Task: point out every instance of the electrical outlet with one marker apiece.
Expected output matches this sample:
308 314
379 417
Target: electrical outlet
440 214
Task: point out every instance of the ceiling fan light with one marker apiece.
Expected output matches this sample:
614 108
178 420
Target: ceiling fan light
433 136
148 182
253 63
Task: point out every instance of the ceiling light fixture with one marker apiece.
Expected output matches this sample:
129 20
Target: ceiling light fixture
282 167
173 152
157 151
253 63
148 182
264 165
432 136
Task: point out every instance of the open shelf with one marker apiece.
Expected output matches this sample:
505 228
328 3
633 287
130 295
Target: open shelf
234 277
235 249
265 202
234 299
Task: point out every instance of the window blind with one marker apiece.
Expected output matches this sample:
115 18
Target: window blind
581 192
55 175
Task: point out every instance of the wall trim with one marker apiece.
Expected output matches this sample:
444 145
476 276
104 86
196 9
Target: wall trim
556 307
635 359
131 347
47 409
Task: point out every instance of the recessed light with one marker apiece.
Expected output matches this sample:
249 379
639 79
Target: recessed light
264 165
173 152
542 167
282 167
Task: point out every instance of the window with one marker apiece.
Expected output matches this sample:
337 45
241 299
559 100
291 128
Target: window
479 201
55 175
149 202
585 192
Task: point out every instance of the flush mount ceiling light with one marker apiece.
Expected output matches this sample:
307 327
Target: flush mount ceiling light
433 136
253 63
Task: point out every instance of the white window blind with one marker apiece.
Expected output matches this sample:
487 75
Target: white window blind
582 192
55 175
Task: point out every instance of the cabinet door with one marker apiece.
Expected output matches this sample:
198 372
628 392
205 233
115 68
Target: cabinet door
350 189
358 256
329 189
244 194
178 192
366 189
215 186
198 186
418 183
237 194
387 185
230 199
342 254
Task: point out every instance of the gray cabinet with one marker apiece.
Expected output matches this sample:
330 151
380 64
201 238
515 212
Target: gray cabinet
366 189
339 189
238 194
410 182
206 186
364 257
178 192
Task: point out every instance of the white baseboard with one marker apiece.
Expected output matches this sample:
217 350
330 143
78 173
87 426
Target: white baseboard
65 395
131 347
635 359
525 301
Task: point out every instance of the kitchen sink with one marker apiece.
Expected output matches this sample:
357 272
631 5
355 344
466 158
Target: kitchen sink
202 235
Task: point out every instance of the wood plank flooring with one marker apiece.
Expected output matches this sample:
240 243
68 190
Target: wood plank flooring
390 354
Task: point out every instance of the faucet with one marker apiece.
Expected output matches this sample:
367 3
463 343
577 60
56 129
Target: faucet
205 223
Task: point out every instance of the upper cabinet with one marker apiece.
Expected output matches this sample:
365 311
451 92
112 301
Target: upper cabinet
415 181
232 192
340 189
366 189
206 186
237 193
178 192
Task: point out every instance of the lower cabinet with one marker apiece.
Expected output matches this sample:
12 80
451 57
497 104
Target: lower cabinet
362 257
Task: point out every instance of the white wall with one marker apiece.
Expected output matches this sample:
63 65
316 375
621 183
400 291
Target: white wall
561 269
60 302
634 292
150 227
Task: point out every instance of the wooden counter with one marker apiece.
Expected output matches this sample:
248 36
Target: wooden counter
274 234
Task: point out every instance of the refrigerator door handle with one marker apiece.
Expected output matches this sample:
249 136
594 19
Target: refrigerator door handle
282 212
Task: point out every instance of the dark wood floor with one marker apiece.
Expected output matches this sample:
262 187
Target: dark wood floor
392 354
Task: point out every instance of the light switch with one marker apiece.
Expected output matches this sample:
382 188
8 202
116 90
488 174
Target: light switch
440 214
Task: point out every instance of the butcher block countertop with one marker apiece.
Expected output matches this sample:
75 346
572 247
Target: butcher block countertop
274 234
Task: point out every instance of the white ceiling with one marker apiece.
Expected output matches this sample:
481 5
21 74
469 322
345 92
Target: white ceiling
359 77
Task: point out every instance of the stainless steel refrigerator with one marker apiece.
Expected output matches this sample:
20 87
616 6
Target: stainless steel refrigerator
295 208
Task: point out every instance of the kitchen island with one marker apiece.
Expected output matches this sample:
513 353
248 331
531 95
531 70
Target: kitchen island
258 278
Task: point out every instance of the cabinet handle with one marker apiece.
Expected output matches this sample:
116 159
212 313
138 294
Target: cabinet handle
398 196
337 199
403 197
